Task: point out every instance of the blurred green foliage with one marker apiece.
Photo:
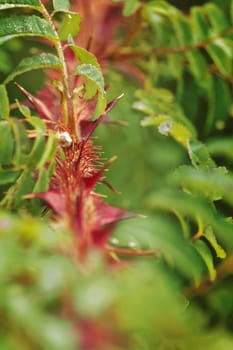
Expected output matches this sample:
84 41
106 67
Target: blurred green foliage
174 166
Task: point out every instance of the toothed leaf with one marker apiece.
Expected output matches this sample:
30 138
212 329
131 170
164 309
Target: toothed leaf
18 26
41 61
8 4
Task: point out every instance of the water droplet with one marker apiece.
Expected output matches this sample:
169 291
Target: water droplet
64 138
132 244
114 240
165 127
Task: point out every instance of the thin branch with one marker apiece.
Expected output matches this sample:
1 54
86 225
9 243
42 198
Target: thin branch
67 101
224 269
167 50
131 251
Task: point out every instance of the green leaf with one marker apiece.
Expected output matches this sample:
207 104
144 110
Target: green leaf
199 155
18 26
210 236
221 56
38 124
198 65
209 182
219 99
231 11
193 207
49 151
23 186
90 72
221 146
42 182
167 126
42 61
6 143
168 240
4 103
183 29
84 56
36 153
8 4
160 7
130 7
216 17
70 25
176 65
201 27
162 108
94 82
60 5
21 142
8 176
206 255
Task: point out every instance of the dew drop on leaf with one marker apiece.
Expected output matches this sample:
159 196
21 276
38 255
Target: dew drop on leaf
165 127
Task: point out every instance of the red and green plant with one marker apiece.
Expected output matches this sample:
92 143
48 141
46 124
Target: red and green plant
74 273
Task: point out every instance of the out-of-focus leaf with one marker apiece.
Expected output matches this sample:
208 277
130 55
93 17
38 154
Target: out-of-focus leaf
201 28
183 28
205 253
22 186
198 65
215 183
42 182
28 64
231 11
56 334
8 4
194 207
199 155
93 299
36 153
4 103
160 104
221 146
216 17
49 151
209 182
6 143
166 126
60 5
218 90
130 7
21 142
70 25
176 65
8 176
160 7
38 124
27 26
210 236
221 57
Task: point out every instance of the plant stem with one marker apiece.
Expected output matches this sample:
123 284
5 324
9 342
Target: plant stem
122 54
66 98
131 252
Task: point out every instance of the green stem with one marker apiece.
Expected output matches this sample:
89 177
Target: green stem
66 98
